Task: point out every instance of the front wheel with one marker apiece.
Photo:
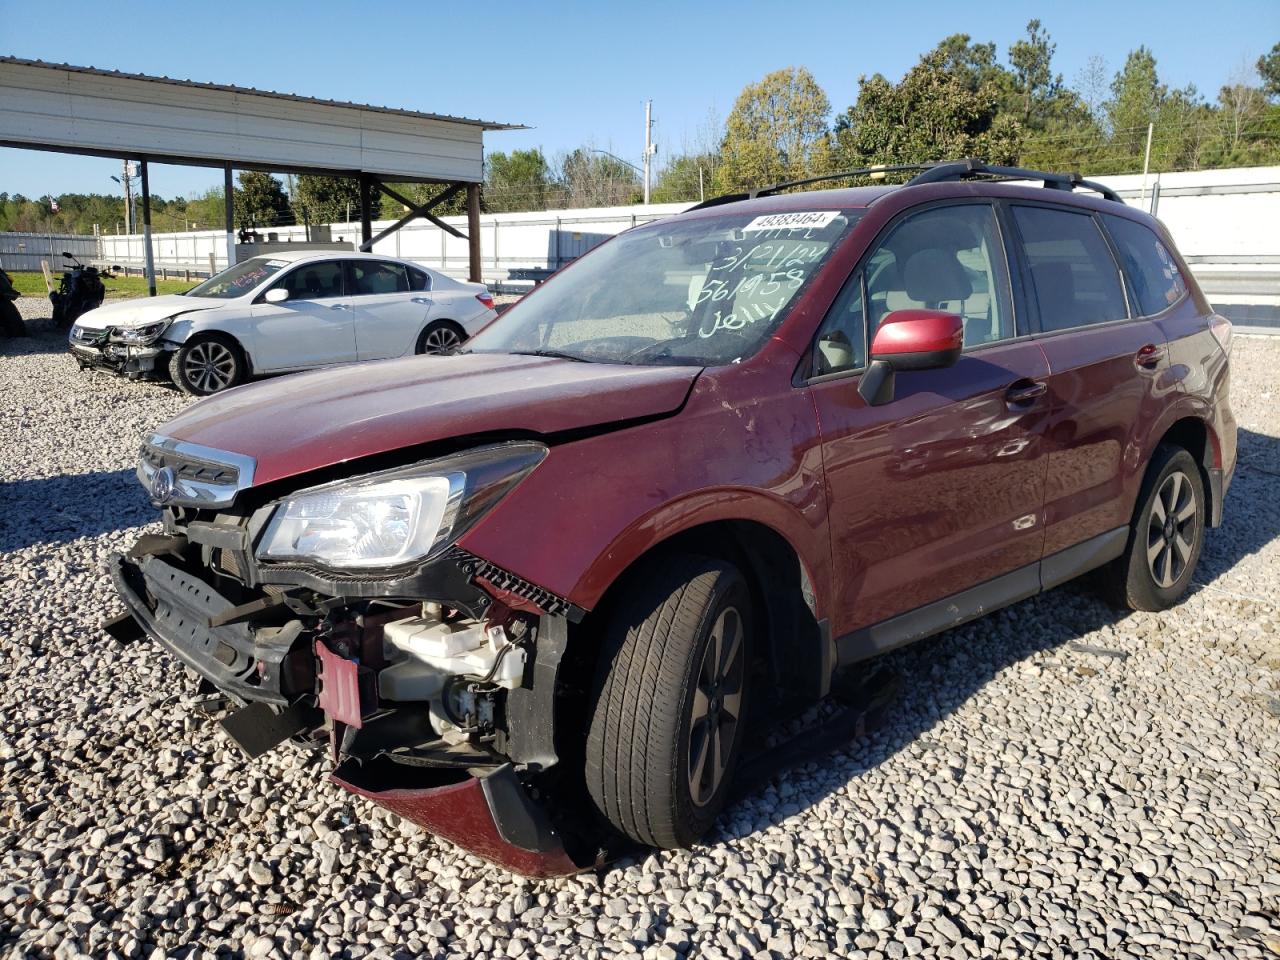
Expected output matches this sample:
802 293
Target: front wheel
1166 536
208 365
441 337
669 701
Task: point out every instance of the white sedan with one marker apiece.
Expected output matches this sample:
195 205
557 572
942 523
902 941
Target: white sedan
283 312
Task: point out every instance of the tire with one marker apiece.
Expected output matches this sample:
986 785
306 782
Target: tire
1166 535
11 322
441 337
650 719
208 364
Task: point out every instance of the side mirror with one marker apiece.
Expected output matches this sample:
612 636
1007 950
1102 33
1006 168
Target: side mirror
910 340
276 295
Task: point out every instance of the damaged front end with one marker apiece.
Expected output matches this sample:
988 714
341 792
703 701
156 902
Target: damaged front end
134 353
344 616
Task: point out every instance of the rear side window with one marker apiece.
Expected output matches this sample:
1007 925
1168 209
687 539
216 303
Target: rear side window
419 279
1074 276
1154 276
373 277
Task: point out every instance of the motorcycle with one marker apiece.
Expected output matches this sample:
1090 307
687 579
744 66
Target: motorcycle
79 291
11 323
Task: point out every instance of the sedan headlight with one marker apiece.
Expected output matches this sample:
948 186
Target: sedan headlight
390 519
145 334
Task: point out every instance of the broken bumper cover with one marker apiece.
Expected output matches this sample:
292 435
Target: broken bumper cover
490 816
227 656
118 357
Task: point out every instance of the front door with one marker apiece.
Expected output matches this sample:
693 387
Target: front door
389 315
941 489
313 328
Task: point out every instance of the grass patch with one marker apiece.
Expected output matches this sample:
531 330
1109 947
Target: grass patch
31 284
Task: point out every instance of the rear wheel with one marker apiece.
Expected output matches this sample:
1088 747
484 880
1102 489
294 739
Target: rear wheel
207 365
669 701
440 337
1166 536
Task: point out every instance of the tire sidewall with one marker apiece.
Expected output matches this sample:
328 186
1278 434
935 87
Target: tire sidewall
1142 590
691 820
421 347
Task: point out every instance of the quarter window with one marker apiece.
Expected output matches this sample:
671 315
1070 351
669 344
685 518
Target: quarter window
1154 275
373 277
1075 279
944 258
419 279
841 342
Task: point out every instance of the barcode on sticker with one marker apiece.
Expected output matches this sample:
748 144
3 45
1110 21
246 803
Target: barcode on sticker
805 220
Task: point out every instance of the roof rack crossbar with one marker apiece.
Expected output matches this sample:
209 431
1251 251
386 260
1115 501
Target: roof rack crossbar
963 169
773 188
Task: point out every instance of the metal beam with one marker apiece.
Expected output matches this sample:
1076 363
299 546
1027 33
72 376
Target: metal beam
146 230
229 193
414 211
366 212
473 230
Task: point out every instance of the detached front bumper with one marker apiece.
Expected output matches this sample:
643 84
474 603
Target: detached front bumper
119 358
491 815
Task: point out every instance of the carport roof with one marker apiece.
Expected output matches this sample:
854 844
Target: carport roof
230 88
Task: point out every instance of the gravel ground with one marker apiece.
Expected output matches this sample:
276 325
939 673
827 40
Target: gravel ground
1056 780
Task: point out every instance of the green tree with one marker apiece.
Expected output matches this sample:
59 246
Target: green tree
688 176
318 199
1033 79
776 131
591 178
519 180
260 200
1269 70
934 113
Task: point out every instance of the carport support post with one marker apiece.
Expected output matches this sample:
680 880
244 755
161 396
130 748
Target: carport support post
366 210
146 230
229 191
473 231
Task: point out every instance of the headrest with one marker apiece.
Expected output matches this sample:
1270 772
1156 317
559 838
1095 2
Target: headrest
935 276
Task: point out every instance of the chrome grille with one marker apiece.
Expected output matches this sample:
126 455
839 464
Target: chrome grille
201 476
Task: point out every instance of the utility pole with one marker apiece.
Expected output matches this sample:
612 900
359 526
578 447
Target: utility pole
650 148
128 200
1146 163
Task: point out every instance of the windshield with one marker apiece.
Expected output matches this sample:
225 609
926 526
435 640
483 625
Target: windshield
238 280
706 291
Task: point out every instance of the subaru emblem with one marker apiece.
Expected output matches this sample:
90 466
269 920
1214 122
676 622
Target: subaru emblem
162 482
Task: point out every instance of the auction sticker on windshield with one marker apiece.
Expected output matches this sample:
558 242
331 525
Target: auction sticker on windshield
792 221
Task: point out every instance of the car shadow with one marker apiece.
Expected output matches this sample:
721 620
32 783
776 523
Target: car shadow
908 692
52 510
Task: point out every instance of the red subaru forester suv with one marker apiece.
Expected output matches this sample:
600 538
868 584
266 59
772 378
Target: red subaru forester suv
531 595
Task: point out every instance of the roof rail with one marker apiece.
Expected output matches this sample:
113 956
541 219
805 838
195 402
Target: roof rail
944 171
963 169
877 171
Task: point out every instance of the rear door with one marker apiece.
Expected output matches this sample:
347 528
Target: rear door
1108 372
389 314
941 489
312 328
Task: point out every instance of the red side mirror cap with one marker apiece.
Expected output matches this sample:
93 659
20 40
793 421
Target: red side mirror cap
919 339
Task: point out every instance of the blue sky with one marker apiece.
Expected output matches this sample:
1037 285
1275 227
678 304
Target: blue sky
579 72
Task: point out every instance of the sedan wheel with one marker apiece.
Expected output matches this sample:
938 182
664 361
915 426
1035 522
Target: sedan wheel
207 366
442 337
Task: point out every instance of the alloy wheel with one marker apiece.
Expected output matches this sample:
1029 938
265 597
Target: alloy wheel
717 706
443 339
1171 529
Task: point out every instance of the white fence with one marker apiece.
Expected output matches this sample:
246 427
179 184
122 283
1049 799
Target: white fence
1223 221
24 251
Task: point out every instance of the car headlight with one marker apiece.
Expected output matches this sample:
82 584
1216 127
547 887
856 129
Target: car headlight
389 519
145 334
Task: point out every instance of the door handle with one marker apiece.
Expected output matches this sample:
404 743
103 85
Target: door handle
1148 357
339 306
425 300
1024 392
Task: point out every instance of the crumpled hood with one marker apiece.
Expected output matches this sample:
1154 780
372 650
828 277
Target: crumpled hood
292 425
144 310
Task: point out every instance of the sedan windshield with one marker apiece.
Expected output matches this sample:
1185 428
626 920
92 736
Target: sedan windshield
703 291
238 280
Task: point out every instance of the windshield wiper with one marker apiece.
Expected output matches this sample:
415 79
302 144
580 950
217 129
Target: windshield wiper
556 354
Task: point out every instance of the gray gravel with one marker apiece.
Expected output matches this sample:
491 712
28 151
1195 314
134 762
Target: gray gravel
1057 780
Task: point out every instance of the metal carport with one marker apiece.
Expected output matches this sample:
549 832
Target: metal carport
83 110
